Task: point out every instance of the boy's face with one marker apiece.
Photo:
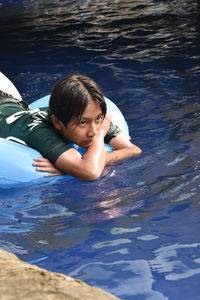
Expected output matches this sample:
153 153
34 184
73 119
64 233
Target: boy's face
84 132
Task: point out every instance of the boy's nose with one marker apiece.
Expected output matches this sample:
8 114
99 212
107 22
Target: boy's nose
92 131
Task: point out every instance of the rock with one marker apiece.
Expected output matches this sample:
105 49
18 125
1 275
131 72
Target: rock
22 281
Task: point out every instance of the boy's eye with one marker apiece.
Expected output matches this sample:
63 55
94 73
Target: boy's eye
82 123
99 118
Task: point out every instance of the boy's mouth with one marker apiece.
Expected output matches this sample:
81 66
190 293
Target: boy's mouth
88 142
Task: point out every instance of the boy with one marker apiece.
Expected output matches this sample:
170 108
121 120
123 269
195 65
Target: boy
77 114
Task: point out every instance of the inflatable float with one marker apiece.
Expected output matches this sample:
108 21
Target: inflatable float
16 159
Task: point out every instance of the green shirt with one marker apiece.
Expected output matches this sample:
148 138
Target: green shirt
36 129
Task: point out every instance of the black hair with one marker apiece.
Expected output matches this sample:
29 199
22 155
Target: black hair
71 95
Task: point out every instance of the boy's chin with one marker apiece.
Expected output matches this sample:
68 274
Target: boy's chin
85 144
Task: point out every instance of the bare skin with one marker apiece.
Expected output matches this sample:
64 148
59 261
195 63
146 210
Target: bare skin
89 133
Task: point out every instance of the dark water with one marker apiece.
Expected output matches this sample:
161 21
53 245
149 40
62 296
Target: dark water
134 232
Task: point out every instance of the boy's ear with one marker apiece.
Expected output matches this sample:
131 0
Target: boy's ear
57 123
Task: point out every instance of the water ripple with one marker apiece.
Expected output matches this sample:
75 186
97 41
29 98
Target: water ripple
176 261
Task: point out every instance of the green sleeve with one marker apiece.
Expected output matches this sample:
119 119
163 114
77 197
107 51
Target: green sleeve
47 142
112 132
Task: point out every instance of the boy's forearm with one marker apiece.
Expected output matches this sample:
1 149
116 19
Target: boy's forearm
94 158
121 154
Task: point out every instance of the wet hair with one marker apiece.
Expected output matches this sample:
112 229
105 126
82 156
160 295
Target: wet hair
71 95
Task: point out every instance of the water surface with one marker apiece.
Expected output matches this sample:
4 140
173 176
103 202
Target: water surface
135 231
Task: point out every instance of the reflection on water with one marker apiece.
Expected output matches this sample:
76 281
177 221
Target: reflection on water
111 205
135 231
168 262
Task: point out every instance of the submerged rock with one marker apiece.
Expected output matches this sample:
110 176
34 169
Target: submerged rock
22 281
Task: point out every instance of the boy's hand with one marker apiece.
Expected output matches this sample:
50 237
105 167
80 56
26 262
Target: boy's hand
105 125
44 165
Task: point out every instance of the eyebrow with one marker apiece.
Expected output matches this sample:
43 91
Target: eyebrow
86 118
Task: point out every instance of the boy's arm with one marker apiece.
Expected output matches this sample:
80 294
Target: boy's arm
123 149
86 167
